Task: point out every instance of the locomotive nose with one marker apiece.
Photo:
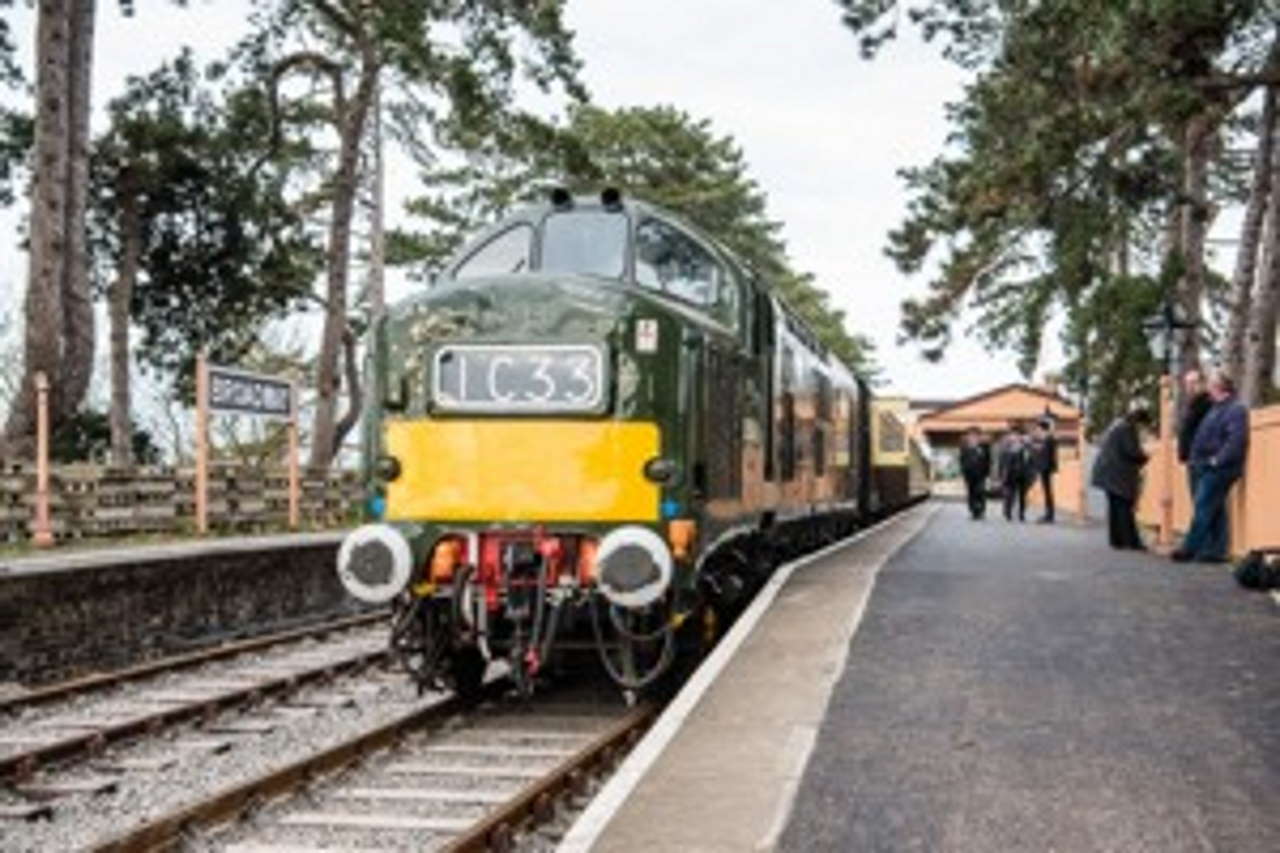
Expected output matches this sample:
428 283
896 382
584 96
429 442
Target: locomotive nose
374 563
634 566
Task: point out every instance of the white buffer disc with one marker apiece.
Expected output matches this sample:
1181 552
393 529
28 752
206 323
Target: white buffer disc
374 563
634 566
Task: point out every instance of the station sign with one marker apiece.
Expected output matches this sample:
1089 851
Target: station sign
237 392
228 391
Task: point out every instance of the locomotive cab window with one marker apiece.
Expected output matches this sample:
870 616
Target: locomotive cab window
504 254
586 242
670 261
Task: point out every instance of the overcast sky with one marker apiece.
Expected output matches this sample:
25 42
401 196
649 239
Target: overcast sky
823 130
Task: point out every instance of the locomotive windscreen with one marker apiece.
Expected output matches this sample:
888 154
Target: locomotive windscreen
589 242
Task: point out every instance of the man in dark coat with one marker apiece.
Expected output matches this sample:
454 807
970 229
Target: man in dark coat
1118 471
1015 472
1218 454
1046 464
975 467
1196 405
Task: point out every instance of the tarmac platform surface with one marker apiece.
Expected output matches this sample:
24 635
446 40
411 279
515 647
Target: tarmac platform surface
1009 687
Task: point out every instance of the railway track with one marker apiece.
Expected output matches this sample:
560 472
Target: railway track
59 727
177 663
437 777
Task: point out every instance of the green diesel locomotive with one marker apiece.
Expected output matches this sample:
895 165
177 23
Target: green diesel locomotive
596 431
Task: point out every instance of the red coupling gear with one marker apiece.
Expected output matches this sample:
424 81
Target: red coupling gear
551 549
532 663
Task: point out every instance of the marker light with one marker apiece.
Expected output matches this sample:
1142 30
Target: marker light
681 534
587 561
387 468
444 559
661 470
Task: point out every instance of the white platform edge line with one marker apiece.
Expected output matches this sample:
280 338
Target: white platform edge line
586 830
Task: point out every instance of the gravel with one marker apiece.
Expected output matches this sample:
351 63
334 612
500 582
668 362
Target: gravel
81 820
537 729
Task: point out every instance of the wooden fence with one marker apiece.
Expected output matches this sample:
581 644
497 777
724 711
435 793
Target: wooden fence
1255 501
94 501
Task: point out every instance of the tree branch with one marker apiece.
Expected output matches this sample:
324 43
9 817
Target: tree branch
319 63
337 17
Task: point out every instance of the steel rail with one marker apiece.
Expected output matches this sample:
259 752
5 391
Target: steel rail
534 803
66 689
167 832
21 765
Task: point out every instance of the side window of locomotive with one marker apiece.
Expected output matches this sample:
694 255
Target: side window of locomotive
506 253
787 428
670 261
822 394
586 242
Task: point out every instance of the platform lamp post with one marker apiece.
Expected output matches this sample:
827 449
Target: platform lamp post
1162 330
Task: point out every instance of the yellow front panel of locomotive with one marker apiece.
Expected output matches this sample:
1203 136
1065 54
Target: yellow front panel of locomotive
522 470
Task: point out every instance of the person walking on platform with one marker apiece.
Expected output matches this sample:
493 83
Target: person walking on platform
1118 471
1218 454
1046 464
1015 472
975 467
1195 406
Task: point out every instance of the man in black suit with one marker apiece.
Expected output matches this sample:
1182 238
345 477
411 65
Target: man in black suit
1196 404
975 466
1014 461
1046 464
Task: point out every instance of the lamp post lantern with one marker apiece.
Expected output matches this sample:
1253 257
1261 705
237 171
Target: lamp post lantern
1162 334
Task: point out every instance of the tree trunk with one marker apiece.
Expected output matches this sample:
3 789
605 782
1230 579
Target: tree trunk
355 399
44 300
1260 338
77 298
1242 282
119 296
1193 225
351 123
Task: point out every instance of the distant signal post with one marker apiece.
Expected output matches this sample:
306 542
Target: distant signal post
226 390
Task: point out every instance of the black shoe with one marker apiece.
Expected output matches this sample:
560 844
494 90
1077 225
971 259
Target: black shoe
1216 561
1181 556
1044 521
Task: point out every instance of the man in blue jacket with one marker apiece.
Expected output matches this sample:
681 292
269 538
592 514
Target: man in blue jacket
1218 453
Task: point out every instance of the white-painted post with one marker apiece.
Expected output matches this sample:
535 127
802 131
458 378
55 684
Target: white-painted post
202 443
295 487
42 530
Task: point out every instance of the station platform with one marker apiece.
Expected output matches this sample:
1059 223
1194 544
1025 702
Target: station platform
67 613
73 559
944 684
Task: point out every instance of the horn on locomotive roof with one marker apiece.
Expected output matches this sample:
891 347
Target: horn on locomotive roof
561 199
611 198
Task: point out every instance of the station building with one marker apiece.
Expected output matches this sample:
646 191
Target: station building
943 423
